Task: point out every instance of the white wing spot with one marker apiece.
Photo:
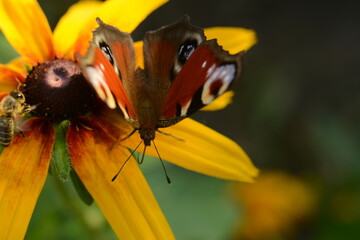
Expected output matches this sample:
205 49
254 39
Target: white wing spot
185 108
210 70
96 79
225 74
204 64
126 115
177 67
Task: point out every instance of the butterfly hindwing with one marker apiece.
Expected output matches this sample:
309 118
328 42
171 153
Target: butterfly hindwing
207 74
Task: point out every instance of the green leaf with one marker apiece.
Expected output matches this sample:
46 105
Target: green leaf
81 189
60 163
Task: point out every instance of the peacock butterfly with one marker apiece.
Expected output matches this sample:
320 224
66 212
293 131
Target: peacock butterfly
183 71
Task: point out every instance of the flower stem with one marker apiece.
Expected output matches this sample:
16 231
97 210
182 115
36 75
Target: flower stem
93 233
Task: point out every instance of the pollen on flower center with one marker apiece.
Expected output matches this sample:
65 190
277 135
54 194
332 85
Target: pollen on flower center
59 90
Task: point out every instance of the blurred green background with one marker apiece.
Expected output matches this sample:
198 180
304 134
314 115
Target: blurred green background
296 111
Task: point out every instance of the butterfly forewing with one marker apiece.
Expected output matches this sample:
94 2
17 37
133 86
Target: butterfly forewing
98 71
117 47
162 60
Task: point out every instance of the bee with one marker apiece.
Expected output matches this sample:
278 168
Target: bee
12 106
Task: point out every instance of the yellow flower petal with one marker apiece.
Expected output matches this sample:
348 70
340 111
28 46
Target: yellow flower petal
26 28
13 73
232 39
202 150
127 15
139 54
123 14
21 66
268 205
71 24
127 203
219 103
24 167
7 79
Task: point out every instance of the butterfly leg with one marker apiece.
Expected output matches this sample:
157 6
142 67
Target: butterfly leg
168 134
118 142
122 166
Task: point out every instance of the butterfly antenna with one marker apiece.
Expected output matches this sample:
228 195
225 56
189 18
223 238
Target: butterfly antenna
163 165
122 166
143 155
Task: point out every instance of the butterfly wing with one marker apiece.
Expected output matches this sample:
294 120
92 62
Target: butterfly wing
109 66
188 71
206 74
161 61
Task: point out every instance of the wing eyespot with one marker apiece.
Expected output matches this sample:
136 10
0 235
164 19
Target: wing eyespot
184 53
185 50
215 87
107 52
219 80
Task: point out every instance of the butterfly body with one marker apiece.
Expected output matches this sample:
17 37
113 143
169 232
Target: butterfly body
182 73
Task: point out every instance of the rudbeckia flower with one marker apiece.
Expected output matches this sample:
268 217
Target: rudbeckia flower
54 84
269 206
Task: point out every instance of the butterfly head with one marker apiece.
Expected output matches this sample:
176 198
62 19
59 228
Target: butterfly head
147 135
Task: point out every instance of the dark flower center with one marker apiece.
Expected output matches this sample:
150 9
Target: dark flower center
59 90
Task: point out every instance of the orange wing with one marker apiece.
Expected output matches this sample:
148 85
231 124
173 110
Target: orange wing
109 66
